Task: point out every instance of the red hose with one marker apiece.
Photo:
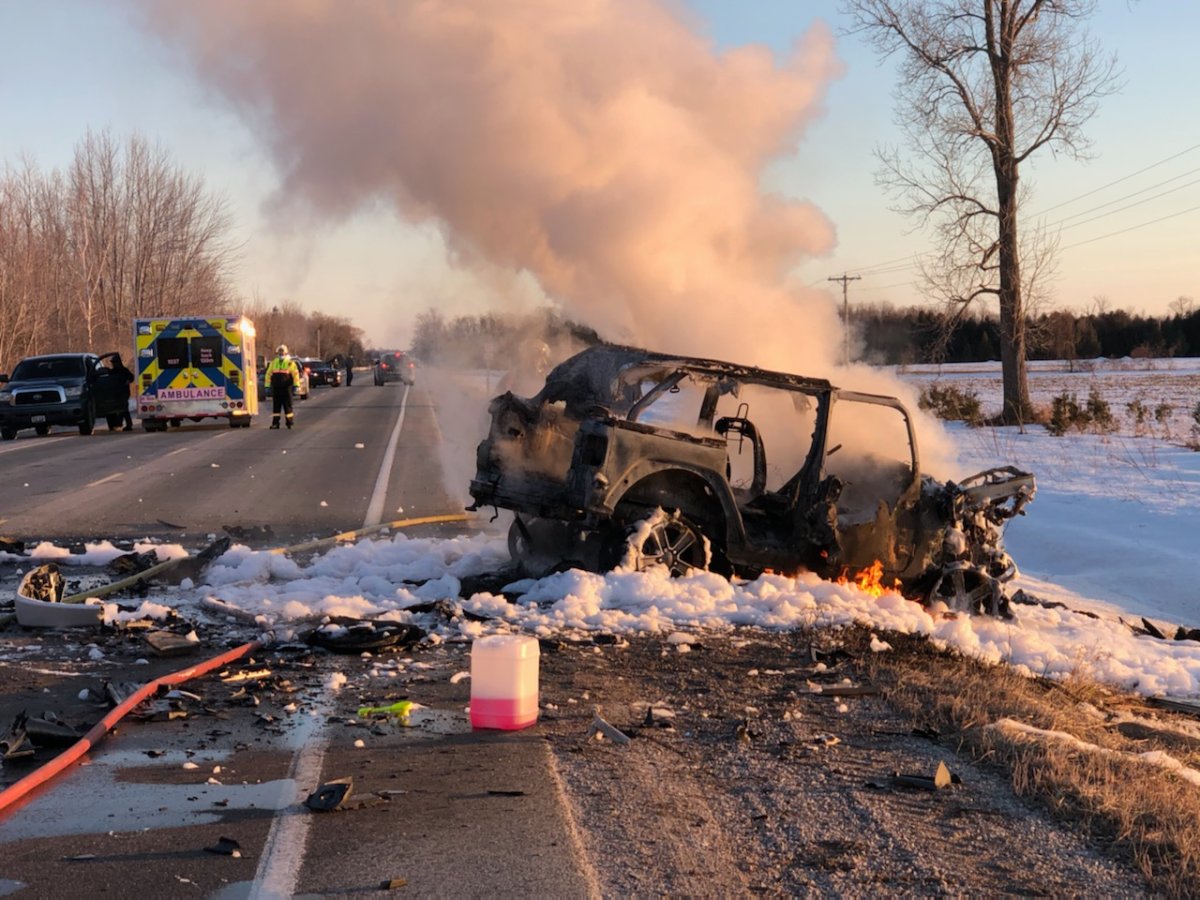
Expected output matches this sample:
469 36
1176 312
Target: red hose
19 789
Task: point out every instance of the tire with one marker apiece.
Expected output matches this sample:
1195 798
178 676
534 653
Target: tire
670 539
41 430
8 434
88 425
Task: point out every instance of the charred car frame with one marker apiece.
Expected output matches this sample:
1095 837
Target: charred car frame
638 458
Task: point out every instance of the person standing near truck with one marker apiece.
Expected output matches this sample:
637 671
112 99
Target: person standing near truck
282 375
125 377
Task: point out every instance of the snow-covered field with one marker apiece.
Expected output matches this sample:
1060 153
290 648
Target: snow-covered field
1114 531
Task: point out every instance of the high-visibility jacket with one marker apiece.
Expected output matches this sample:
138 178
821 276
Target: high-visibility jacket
282 369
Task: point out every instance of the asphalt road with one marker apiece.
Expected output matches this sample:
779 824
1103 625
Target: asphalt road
333 472
448 811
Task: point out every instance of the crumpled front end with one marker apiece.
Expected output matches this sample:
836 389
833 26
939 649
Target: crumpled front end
971 566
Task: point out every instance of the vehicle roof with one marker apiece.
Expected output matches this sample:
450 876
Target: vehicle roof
60 356
592 373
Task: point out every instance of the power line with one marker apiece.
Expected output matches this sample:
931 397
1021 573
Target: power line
1102 187
1133 227
880 268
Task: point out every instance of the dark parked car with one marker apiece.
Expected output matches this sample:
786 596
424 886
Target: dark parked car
628 457
61 389
395 367
321 372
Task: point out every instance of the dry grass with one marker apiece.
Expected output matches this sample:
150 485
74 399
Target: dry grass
1147 813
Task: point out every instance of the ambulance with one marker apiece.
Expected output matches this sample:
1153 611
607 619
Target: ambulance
195 367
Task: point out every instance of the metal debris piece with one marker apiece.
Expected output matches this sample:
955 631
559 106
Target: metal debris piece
1152 629
246 675
193 566
942 778
505 793
243 697
600 727
391 884
118 692
331 795
133 563
246 533
1187 634
357 635
226 847
1176 704
168 643
49 731
44 583
16 743
847 690
11 545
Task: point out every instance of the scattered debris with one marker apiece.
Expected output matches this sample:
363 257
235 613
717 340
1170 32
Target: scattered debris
391 884
347 635
193 566
330 795
39 602
847 690
168 643
16 743
1152 629
246 533
133 563
226 847
601 729
1177 704
11 545
941 778
49 731
400 709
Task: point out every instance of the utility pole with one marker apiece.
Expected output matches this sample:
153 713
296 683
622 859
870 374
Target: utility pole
845 280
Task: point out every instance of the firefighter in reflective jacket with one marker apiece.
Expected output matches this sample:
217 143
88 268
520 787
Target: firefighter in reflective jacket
282 374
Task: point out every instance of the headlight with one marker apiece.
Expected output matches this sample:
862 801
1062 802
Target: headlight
73 393
6 397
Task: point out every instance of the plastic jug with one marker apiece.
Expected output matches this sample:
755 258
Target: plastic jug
504 681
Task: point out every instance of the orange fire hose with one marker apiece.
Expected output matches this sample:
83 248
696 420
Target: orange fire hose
39 776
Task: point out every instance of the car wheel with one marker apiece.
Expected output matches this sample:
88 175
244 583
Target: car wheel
666 539
88 425
41 430
8 434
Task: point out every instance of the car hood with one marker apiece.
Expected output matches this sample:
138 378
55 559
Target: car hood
36 384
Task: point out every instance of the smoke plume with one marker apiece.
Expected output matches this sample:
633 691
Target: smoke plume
604 146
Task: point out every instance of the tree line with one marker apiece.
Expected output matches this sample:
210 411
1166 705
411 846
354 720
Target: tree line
123 232
891 336
496 340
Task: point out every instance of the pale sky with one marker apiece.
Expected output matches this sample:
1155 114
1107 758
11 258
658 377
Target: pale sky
67 65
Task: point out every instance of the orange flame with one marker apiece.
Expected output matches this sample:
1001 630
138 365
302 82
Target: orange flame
870 580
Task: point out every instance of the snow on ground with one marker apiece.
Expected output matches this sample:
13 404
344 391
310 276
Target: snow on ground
98 554
1114 530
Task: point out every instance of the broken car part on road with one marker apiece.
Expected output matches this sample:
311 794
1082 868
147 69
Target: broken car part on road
631 457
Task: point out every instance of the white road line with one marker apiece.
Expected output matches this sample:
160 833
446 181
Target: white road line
287 840
379 495
112 477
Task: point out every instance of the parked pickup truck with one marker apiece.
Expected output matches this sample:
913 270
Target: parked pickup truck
61 389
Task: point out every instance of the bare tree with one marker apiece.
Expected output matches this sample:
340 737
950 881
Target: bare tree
984 84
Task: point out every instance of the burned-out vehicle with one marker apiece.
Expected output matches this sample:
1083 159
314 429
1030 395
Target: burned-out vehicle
634 458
